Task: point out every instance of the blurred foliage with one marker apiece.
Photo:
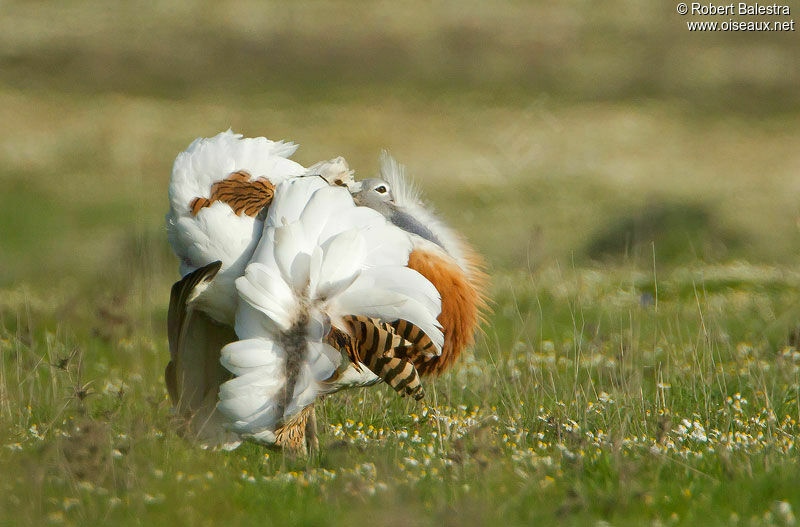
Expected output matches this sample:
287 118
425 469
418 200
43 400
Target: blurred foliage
555 126
677 229
329 51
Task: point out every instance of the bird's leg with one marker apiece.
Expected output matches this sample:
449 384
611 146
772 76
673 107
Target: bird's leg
312 441
298 437
291 438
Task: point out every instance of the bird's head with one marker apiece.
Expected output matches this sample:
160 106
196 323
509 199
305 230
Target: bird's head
374 193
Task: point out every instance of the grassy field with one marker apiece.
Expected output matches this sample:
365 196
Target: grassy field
634 188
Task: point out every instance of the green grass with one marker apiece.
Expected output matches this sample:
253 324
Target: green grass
632 186
583 400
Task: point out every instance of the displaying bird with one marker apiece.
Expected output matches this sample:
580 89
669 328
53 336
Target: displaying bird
231 198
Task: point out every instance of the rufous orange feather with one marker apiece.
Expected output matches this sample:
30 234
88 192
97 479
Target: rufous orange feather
463 299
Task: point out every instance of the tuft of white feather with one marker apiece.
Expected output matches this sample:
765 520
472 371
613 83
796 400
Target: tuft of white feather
335 171
405 192
313 266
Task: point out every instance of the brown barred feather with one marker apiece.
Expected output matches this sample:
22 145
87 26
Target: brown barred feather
197 204
375 344
398 373
421 343
240 193
374 338
343 342
241 175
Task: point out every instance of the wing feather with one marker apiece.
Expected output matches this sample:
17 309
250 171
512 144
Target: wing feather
194 373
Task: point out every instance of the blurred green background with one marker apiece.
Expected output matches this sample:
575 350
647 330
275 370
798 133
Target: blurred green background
570 133
633 185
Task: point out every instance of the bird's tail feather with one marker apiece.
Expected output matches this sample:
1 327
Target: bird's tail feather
385 353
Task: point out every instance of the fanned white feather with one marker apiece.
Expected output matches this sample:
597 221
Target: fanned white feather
290 200
335 171
405 281
264 289
243 356
405 193
341 263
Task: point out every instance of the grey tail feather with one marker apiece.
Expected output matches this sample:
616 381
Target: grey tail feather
293 342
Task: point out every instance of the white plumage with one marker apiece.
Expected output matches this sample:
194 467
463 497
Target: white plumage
320 258
216 232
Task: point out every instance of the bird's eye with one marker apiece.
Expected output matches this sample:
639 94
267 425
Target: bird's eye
380 190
